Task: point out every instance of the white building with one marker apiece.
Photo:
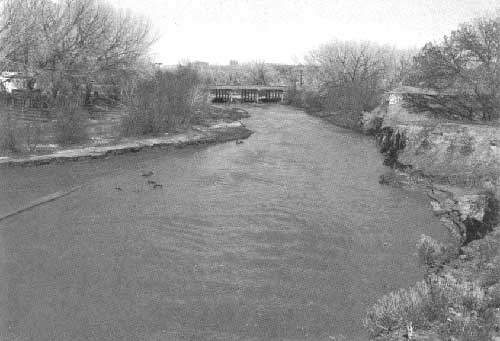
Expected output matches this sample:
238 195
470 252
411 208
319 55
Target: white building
13 81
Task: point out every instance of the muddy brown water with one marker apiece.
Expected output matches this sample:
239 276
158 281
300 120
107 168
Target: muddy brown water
286 236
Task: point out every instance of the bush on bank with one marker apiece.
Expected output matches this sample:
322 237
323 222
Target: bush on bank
70 124
160 103
166 101
306 99
345 78
460 309
17 136
458 300
432 253
9 134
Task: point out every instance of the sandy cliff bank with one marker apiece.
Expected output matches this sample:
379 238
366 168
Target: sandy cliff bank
458 165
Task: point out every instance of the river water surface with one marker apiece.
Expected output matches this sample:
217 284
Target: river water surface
286 236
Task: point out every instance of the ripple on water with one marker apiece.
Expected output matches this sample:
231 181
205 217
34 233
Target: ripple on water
289 236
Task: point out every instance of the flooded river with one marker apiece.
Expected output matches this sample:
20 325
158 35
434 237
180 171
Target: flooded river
286 236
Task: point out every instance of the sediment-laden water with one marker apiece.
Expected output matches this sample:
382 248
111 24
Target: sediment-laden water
286 236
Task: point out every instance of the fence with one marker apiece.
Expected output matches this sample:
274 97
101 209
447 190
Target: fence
25 105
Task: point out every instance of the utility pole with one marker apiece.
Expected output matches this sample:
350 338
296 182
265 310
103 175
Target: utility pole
301 75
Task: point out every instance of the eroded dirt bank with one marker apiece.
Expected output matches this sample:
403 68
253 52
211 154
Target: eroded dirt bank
458 166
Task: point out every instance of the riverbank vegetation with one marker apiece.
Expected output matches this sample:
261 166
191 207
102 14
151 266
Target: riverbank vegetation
88 79
166 101
83 75
457 81
454 86
459 76
342 79
464 70
458 299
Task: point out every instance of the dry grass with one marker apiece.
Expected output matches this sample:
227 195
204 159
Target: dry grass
460 307
454 307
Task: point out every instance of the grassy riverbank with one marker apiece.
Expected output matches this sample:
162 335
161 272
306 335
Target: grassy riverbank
215 125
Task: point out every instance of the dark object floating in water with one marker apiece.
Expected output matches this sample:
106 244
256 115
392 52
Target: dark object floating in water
239 142
148 174
118 188
155 186
152 182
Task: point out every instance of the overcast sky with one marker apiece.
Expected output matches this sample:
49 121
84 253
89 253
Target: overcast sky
217 31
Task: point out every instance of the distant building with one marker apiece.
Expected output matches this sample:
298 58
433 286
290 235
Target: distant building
169 67
398 94
10 81
199 65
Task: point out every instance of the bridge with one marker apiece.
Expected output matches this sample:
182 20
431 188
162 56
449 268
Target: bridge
246 93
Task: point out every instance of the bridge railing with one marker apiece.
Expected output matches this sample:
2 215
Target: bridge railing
242 94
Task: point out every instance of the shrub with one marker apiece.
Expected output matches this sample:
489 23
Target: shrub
465 326
438 298
294 98
494 296
446 292
460 307
353 98
164 102
312 100
491 273
17 136
304 99
70 127
399 308
33 134
464 314
431 252
10 137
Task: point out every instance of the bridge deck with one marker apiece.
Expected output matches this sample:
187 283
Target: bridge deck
247 93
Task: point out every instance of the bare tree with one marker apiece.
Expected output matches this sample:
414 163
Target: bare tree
258 73
465 64
165 101
351 75
71 43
